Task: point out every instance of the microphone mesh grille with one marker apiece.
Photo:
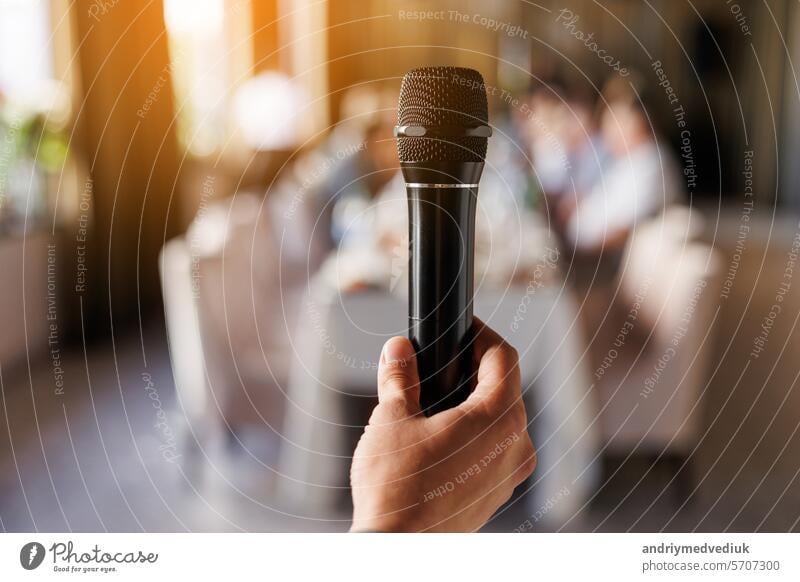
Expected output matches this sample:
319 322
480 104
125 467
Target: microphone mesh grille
436 96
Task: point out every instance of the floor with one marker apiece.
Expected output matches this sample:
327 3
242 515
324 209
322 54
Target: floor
107 455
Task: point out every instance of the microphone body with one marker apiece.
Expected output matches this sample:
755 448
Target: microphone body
442 130
442 201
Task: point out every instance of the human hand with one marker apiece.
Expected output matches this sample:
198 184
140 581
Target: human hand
449 472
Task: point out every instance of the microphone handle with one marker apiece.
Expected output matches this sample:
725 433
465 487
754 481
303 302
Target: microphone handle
442 265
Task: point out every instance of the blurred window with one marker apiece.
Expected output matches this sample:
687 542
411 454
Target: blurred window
34 109
25 59
199 54
232 89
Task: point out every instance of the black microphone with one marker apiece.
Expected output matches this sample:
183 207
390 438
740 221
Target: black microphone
442 132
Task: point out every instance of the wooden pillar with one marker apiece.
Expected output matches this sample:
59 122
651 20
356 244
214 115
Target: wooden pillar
266 35
129 144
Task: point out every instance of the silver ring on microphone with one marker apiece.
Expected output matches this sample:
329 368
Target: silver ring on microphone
442 131
420 185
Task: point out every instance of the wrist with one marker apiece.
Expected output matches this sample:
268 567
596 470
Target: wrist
384 522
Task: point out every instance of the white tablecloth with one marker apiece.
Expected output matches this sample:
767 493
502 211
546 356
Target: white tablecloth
338 342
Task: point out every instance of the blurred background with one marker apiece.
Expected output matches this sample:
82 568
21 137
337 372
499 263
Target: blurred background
203 246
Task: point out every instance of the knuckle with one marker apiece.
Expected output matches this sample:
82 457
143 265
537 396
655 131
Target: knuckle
391 409
525 470
395 377
530 465
519 416
514 375
511 353
494 409
509 362
512 418
529 456
489 406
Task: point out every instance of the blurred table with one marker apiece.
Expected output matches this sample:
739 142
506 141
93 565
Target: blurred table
338 343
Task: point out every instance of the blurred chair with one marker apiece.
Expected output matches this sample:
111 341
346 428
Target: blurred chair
183 332
656 341
229 311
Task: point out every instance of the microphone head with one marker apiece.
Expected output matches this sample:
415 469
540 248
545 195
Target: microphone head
448 106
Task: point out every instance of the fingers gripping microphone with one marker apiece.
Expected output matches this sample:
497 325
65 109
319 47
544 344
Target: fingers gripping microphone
442 133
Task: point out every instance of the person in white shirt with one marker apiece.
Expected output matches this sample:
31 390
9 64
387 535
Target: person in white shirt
641 178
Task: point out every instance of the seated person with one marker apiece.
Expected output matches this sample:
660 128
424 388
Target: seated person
639 181
357 182
566 149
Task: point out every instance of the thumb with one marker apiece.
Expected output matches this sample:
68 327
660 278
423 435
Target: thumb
398 378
